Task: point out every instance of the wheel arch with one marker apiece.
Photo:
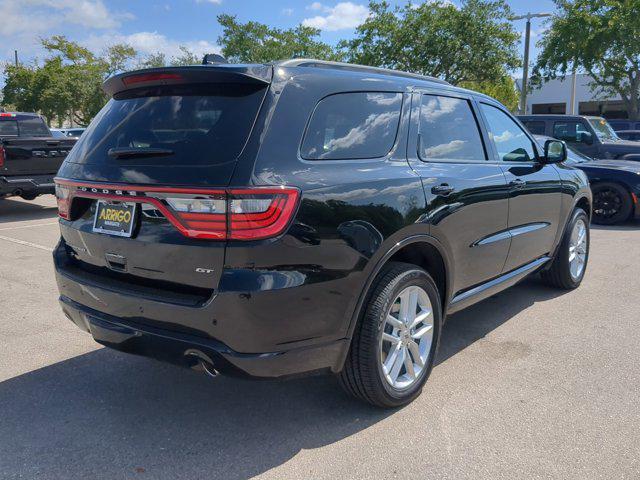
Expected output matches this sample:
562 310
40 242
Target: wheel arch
614 182
421 250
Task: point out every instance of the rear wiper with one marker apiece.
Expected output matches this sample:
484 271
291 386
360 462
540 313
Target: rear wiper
128 152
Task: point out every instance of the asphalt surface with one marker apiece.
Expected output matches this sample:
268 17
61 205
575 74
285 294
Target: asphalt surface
532 383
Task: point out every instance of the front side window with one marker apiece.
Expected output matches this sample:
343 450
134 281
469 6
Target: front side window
511 143
572 132
448 130
355 125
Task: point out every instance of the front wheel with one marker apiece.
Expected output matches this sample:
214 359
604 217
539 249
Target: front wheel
394 345
570 263
611 203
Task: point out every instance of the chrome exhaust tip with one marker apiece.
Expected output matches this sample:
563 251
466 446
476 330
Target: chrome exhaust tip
203 363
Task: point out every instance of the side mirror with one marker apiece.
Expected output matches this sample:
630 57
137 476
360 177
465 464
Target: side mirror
555 151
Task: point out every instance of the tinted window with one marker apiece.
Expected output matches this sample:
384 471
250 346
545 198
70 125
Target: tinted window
8 127
510 141
448 130
352 126
199 126
603 129
573 132
33 127
537 128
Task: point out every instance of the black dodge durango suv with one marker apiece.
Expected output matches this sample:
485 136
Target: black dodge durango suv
306 216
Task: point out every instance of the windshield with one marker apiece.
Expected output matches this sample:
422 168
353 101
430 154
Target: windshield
205 125
603 129
574 156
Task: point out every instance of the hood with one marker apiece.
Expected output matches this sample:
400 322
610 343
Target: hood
626 145
625 165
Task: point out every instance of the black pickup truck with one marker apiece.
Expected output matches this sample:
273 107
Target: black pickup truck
29 155
591 136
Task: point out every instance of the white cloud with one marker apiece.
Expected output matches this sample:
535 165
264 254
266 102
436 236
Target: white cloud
344 15
151 42
287 11
213 2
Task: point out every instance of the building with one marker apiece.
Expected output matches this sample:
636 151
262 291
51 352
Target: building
555 97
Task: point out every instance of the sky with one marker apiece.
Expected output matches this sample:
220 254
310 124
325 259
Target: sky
163 25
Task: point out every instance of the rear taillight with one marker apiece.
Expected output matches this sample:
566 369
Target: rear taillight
1 156
234 214
63 196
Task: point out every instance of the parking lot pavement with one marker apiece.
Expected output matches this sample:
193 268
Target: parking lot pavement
532 383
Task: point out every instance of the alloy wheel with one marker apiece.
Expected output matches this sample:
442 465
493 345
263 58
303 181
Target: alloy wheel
578 249
406 338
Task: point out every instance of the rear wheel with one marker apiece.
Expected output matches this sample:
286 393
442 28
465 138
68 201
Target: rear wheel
570 264
611 203
394 344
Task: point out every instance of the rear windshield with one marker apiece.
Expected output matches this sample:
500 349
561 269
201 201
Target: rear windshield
24 127
190 125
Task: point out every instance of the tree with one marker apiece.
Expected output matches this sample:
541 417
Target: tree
600 37
185 57
259 43
472 43
504 90
68 84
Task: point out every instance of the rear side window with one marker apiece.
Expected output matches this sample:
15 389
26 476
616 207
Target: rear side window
536 128
352 126
448 130
8 127
192 125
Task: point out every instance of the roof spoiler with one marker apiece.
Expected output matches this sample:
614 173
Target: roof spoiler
197 74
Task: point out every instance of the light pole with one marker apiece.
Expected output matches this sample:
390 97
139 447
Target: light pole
525 67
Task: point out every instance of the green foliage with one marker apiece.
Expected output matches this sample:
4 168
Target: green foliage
473 43
259 43
504 90
599 37
68 84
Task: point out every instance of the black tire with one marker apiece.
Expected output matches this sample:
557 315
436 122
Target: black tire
362 375
559 273
611 203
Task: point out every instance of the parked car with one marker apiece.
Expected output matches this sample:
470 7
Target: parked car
629 135
621 125
29 155
592 136
67 132
306 216
615 185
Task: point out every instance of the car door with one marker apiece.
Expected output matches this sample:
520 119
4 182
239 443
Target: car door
578 134
535 192
466 194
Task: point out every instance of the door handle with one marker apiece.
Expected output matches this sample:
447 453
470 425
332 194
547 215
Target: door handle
442 190
517 183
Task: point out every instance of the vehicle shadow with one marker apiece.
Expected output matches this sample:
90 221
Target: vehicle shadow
112 415
626 226
12 210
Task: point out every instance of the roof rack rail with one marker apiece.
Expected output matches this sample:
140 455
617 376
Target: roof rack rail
310 62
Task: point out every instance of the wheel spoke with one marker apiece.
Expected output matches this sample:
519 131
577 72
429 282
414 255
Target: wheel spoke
394 322
421 333
391 357
404 306
397 365
413 306
408 365
390 338
420 318
415 353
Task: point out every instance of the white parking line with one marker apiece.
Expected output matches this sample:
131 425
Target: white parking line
28 244
28 226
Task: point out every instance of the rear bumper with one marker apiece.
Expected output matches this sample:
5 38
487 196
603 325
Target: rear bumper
32 184
187 350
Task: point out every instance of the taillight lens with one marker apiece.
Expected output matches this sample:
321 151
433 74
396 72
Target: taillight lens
1 156
256 214
235 214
